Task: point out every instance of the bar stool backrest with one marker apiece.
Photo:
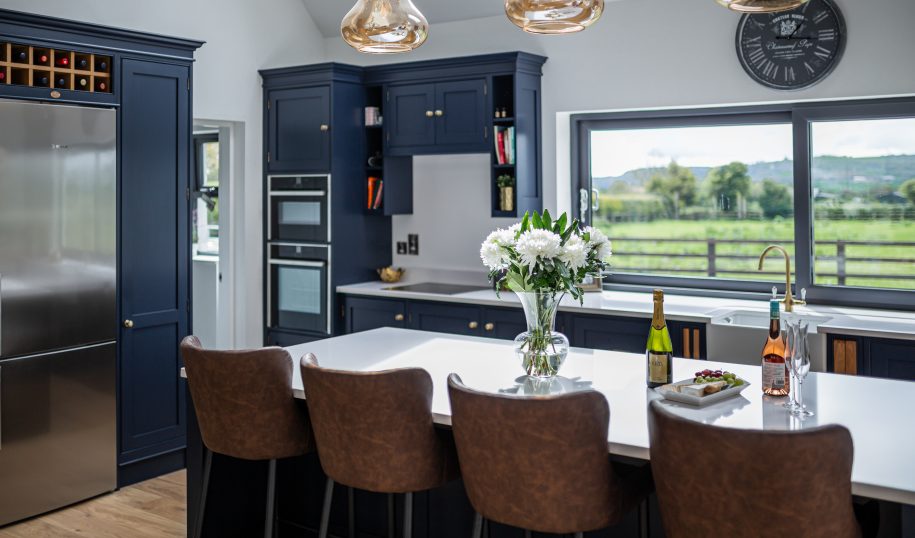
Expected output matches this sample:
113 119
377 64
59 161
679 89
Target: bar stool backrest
374 430
244 402
716 481
539 463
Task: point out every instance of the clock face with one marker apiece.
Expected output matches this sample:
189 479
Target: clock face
793 49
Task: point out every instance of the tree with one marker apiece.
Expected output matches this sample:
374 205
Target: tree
728 184
908 190
676 186
775 200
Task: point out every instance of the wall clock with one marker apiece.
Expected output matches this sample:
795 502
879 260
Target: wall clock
793 49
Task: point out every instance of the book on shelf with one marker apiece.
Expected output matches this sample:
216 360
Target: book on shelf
378 198
504 140
371 187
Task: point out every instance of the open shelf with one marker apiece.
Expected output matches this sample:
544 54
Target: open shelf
41 67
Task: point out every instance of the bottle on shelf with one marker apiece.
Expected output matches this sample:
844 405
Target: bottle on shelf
774 369
43 59
61 82
101 86
82 83
42 80
2 76
101 65
63 61
82 63
660 351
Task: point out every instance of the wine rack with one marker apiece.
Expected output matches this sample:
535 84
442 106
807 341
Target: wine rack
43 67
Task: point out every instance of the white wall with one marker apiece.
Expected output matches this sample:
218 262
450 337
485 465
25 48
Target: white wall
643 54
242 36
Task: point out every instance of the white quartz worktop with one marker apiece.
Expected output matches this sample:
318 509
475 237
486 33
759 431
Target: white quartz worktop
876 411
847 321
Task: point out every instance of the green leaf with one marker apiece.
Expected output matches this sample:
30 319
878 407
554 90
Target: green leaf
547 222
561 224
538 222
525 221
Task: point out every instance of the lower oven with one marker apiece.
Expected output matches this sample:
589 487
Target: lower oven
298 284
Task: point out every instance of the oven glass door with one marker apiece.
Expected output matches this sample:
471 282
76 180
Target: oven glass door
299 217
299 295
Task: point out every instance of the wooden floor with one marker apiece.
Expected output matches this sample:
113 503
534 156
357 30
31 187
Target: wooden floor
154 508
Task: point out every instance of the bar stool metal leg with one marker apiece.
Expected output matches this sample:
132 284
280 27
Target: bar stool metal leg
408 515
351 511
271 498
477 525
207 464
643 519
325 512
391 524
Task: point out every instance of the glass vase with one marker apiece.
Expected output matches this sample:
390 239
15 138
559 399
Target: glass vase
541 349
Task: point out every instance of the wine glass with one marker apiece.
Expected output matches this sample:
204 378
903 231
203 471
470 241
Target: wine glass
791 337
801 364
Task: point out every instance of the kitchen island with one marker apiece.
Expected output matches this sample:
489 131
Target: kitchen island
876 411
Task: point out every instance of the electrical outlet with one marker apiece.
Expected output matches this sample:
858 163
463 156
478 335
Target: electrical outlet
401 247
413 243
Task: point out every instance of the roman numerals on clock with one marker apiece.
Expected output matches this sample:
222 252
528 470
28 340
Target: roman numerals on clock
793 49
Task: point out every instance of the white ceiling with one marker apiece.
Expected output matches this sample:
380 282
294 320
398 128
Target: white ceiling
327 14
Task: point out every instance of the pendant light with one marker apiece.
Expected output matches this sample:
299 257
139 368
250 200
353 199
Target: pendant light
384 26
553 16
761 6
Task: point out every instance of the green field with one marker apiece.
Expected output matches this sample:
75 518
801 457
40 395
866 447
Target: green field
739 259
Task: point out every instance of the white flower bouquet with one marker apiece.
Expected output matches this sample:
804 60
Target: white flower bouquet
542 255
541 260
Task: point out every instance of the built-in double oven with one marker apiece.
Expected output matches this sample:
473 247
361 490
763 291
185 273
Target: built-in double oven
298 263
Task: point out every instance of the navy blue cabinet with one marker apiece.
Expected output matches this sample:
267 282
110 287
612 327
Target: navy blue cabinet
445 117
298 129
287 338
607 332
362 314
410 116
503 323
446 318
154 151
877 357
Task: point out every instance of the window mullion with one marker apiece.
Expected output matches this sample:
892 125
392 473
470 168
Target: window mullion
803 206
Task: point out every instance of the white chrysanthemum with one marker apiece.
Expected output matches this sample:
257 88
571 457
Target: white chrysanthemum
574 253
604 250
535 245
492 255
596 237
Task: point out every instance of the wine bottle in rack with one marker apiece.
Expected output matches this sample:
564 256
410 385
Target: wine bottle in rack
102 86
61 82
63 61
82 83
2 76
101 65
82 63
43 80
43 59
22 56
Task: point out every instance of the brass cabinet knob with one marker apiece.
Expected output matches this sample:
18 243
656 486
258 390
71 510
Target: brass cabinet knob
439 113
429 113
473 325
489 327
128 323
398 317
324 127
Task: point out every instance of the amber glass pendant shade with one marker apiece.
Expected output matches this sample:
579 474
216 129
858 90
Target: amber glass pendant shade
553 16
384 26
761 6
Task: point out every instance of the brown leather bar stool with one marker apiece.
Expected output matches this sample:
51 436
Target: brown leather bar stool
716 481
374 432
541 463
246 409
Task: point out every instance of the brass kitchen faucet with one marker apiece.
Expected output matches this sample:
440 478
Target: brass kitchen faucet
789 301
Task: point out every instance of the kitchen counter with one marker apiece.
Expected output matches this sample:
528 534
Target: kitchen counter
874 410
845 321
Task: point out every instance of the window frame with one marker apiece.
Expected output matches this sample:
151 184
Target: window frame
200 140
800 116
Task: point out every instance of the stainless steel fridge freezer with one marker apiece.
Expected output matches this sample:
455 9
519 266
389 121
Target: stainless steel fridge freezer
58 318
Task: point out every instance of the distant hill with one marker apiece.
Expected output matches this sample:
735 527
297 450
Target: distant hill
890 171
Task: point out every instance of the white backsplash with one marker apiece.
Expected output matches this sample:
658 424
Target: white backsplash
451 213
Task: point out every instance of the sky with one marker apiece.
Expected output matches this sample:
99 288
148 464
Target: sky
614 153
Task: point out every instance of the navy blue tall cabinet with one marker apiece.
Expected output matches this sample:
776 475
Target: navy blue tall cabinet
150 87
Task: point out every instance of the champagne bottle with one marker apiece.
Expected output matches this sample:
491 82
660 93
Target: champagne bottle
660 352
774 369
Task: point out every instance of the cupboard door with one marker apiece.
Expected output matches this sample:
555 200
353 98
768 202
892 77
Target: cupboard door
298 130
892 359
460 115
154 266
446 318
616 334
409 119
504 323
367 314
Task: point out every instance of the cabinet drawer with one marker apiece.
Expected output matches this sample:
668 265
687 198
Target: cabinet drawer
446 318
362 314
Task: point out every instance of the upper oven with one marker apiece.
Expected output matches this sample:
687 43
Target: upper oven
298 208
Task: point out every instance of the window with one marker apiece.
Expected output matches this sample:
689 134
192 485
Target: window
206 191
691 198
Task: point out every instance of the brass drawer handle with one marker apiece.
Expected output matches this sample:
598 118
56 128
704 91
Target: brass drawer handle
398 317
429 114
128 323
489 327
324 127
473 325
439 113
